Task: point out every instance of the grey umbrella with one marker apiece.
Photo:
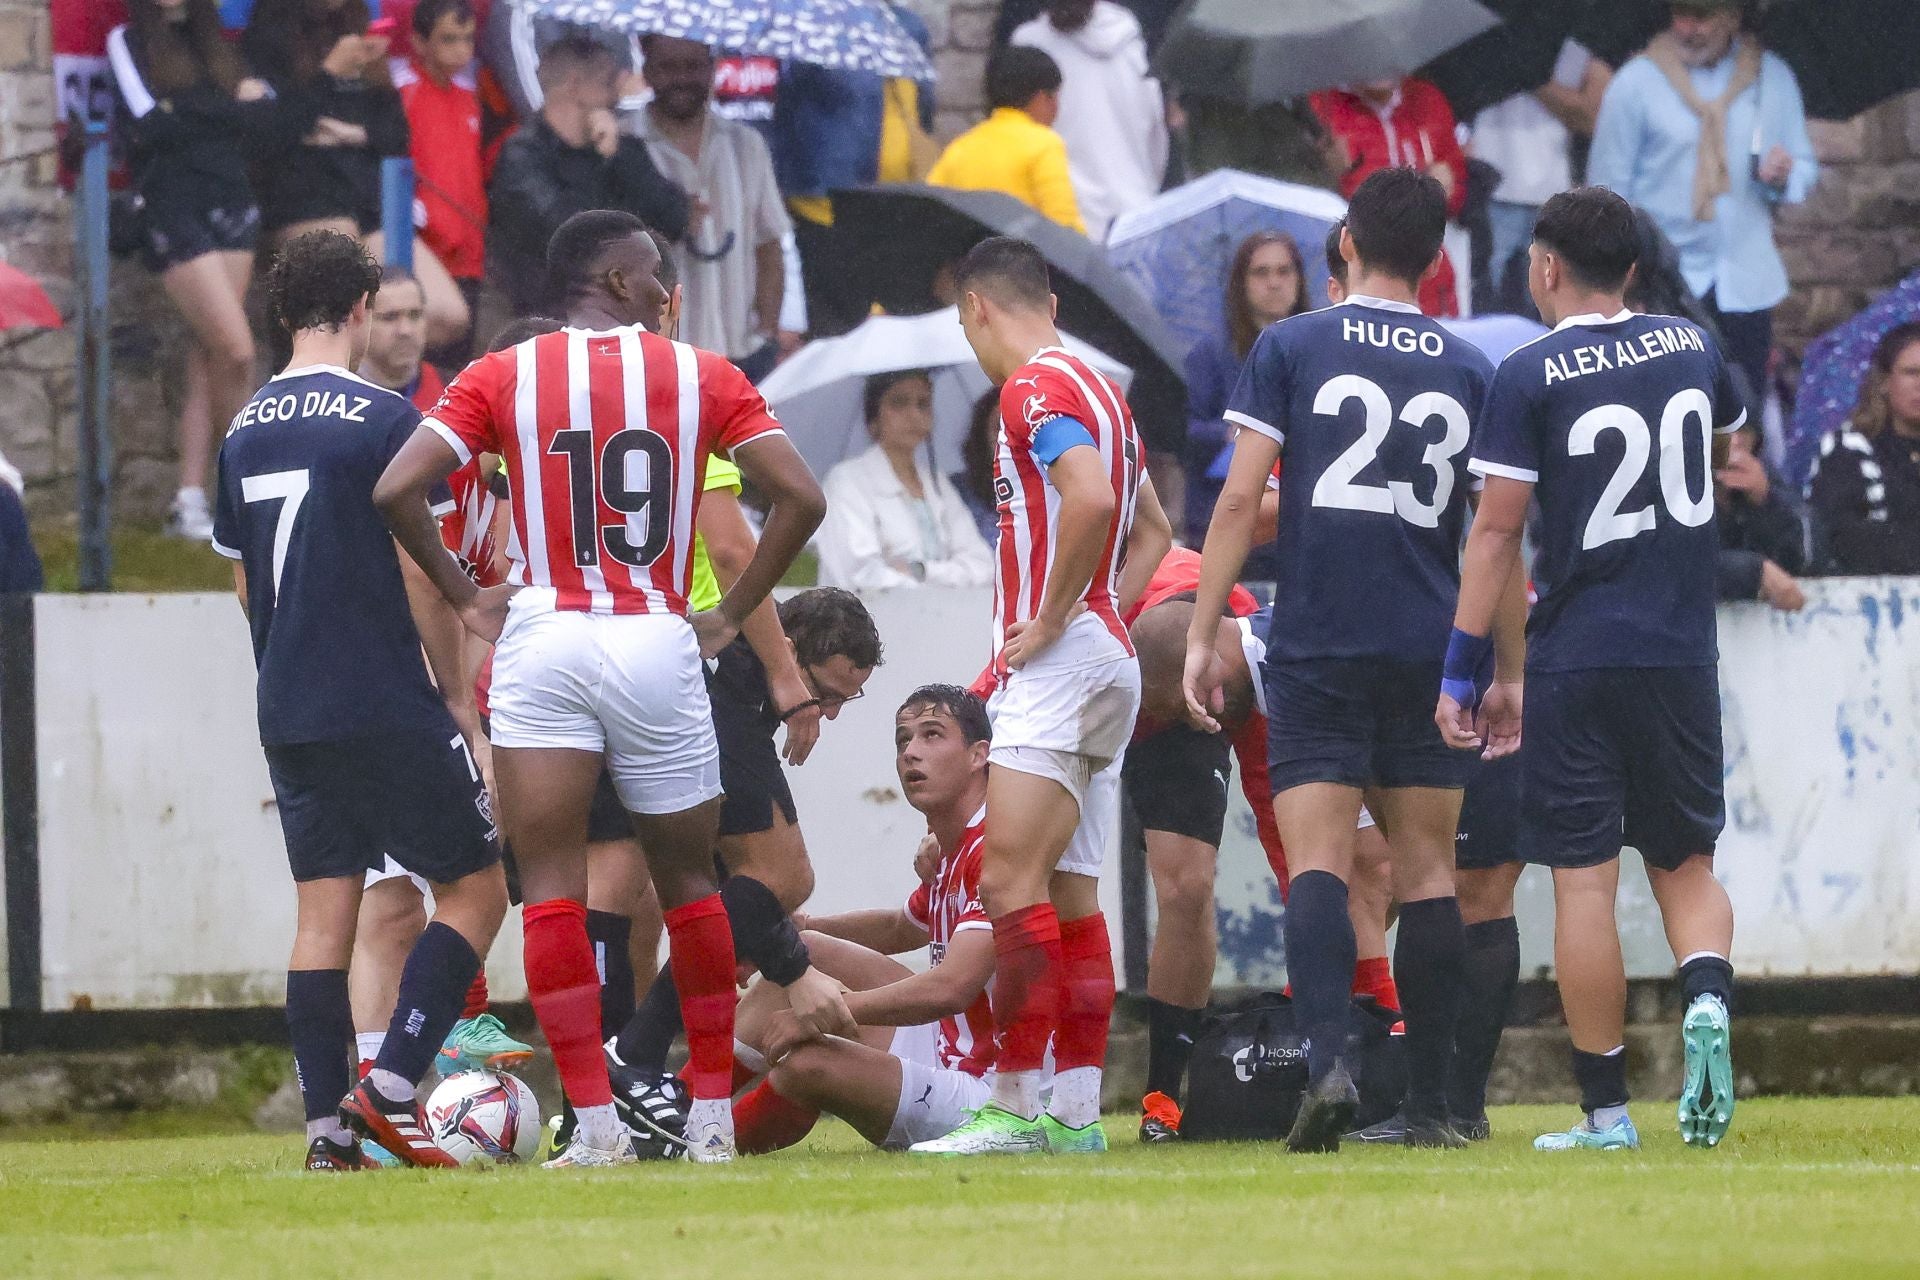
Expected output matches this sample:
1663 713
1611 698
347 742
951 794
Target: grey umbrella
1256 52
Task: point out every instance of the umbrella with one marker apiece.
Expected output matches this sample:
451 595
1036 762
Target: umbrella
1259 51
23 303
1834 369
908 232
845 35
1177 247
1515 57
817 393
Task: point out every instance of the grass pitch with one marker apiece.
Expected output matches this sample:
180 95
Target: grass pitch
1801 1188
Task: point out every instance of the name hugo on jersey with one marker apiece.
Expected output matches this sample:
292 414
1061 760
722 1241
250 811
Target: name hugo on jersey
1396 337
312 404
1564 366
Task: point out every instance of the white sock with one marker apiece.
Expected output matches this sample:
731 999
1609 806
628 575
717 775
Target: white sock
707 1112
1607 1117
1076 1097
749 1057
1018 1092
191 495
366 1044
330 1128
393 1086
599 1127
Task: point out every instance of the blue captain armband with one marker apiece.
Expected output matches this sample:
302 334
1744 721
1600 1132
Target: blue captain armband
1057 435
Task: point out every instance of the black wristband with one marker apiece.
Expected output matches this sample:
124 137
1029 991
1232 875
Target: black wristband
797 708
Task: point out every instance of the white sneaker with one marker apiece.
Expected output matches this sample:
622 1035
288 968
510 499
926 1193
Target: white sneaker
189 517
579 1155
710 1132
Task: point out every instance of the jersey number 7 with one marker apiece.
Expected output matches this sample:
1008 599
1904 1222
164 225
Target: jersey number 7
634 476
289 488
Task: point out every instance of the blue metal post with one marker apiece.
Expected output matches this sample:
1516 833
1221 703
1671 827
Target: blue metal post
95 444
396 210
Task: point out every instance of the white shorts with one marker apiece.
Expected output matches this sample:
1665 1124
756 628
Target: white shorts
629 685
391 870
1080 697
934 1100
1098 834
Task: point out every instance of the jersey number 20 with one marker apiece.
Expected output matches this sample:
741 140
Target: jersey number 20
635 475
1337 485
1609 523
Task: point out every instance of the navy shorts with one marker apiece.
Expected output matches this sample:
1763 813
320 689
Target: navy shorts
1489 833
414 796
753 781
1176 780
1622 756
1359 722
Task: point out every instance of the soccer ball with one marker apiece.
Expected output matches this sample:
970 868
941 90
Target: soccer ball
484 1117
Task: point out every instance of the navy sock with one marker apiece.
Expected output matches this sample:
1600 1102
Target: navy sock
320 1023
1706 974
433 990
1428 957
648 1036
1602 1078
1170 1034
1491 972
609 933
1320 958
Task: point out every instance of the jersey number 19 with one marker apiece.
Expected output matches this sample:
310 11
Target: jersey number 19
635 475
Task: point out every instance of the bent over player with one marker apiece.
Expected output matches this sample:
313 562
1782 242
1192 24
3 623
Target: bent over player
1615 424
607 428
365 759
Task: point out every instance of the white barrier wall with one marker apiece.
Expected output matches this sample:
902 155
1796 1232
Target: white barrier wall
164 880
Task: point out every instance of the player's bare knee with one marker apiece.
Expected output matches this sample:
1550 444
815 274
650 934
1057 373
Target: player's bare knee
803 1075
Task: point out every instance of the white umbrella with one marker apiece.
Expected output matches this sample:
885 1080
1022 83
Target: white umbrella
817 393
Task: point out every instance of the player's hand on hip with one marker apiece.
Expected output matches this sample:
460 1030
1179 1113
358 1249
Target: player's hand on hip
1200 685
714 630
1456 723
1498 720
820 1003
1028 640
486 614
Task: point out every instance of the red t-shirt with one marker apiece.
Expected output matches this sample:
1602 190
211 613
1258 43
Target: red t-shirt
450 195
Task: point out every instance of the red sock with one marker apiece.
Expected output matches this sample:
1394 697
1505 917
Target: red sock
764 1121
1087 953
564 987
1028 986
476 996
1373 976
700 952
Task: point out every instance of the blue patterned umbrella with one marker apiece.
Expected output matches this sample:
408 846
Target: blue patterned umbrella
844 35
1178 246
1834 369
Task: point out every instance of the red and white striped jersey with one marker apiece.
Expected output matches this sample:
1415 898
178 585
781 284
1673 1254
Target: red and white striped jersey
606 436
948 907
1052 385
467 530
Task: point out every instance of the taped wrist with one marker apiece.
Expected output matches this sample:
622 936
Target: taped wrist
762 930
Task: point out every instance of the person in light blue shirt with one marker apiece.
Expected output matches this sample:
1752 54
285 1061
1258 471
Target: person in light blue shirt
1708 134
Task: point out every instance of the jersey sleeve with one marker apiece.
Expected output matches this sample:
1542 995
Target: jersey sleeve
732 410
465 415
920 905
1258 401
1506 444
1729 406
1034 396
226 515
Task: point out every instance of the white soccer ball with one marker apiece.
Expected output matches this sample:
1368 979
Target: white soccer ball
484 1117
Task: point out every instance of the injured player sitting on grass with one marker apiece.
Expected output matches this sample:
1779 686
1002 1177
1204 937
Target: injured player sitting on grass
922 1062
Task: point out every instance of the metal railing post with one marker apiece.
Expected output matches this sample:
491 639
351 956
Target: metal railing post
396 211
94 447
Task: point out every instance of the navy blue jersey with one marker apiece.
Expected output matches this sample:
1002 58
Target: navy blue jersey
333 636
1612 420
1373 405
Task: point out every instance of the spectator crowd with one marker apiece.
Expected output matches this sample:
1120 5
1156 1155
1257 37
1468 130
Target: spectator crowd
246 124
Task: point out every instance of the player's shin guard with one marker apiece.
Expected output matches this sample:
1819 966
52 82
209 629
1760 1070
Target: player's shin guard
701 955
433 985
320 1024
1027 997
1080 1044
765 1121
565 990
1320 957
1429 955
1491 973
609 933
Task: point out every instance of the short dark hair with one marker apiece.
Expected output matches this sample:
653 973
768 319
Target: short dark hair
578 243
518 331
877 386
669 273
1336 265
962 705
1397 218
1009 270
427 15
828 622
1018 72
316 280
1593 232
569 54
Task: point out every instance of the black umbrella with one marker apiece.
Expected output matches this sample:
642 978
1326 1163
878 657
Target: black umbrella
907 232
1515 57
1256 52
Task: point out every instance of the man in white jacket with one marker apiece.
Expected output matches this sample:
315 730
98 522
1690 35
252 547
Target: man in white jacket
1111 112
